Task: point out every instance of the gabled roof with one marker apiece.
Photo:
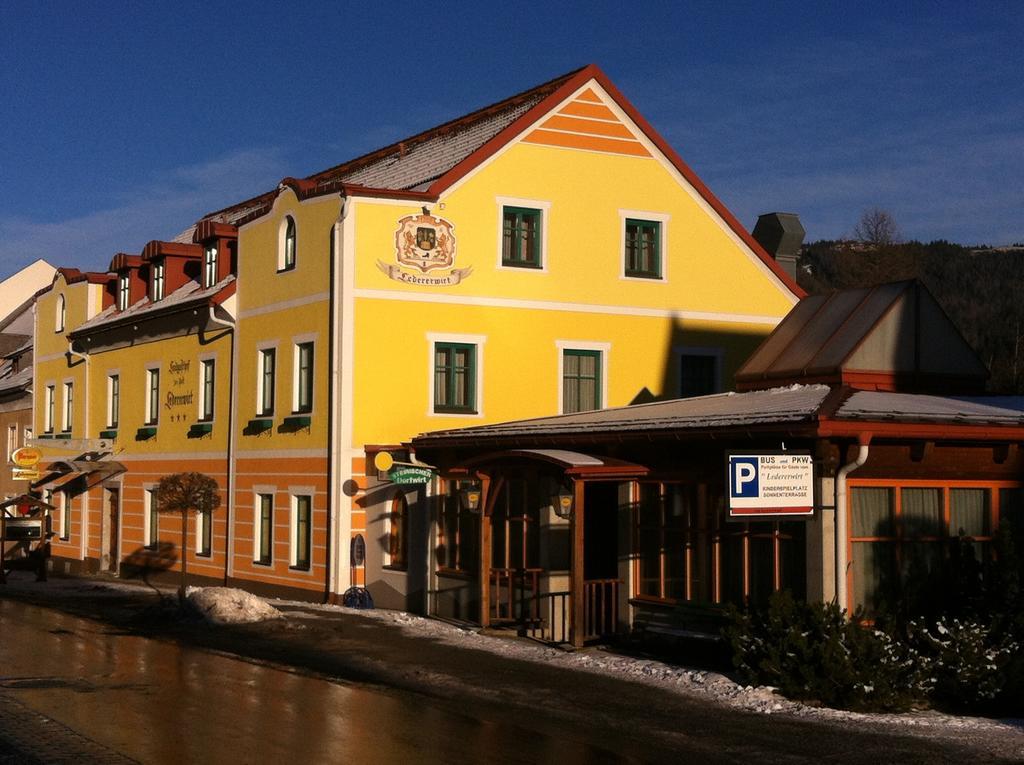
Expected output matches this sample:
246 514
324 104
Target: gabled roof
425 165
889 337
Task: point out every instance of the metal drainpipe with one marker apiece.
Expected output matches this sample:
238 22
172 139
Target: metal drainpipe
841 535
229 488
337 548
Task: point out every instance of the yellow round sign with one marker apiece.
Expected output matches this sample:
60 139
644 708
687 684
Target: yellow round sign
383 461
26 456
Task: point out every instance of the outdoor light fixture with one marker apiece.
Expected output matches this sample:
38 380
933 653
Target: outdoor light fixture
563 502
470 498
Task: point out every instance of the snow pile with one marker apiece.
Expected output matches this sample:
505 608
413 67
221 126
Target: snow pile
227 605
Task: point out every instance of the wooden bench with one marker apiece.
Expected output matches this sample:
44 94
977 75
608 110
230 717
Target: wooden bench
680 622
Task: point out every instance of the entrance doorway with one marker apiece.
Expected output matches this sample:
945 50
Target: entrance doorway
601 583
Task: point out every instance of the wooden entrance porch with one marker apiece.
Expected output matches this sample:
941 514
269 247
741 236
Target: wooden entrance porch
549 548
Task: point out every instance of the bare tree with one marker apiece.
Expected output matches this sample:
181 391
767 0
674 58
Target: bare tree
877 227
182 493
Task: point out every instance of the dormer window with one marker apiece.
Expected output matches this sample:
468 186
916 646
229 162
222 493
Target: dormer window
158 281
122 292
209 265
286 254
59 318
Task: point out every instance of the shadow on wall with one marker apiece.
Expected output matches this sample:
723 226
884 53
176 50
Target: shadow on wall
147 561
698 362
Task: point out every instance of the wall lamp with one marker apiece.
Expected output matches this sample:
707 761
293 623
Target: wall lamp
470 496
563 501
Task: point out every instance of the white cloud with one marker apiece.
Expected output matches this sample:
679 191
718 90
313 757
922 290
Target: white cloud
126 220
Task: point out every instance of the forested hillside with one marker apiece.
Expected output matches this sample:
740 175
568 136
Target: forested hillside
981 290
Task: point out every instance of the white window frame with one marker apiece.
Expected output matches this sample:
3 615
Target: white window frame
63 504
113 412
716 352
260 350
67 405
294 492
61 314
296 342
257 527
204 361
12 440
123 292
147 401
159 278
49 407
201 520
545 218
603 348
148 498
433 338
282 241
210 256
657 217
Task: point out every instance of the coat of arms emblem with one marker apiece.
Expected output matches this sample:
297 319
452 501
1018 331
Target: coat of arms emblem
425 242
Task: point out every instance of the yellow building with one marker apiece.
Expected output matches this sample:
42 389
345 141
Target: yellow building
549 253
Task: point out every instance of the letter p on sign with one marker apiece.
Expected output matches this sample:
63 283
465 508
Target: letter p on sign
743 477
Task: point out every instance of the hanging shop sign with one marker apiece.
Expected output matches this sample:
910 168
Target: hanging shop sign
26 457
425 253
19 529
410 474
769 484
25 474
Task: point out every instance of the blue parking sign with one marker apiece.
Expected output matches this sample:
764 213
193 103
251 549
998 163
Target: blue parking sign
744 480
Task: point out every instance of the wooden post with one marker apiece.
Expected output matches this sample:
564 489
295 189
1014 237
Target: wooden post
488 496
576 582
485 551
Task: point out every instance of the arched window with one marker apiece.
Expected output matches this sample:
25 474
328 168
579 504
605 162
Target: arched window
286 256
59 318
398 533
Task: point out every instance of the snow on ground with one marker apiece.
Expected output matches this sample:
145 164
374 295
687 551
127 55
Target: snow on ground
227 605
713 686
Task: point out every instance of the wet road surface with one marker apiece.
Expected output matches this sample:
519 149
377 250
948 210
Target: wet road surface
159 702
344 688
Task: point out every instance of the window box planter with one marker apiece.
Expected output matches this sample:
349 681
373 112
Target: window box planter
64 436
146 432
296 422
108 433
200 429
258 425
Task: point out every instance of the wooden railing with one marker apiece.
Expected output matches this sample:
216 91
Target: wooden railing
514 595
516 598
554 626
600 607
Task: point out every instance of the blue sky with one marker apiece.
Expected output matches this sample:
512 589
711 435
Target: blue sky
125 122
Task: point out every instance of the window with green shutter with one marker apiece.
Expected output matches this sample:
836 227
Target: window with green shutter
454 377
581 381
643 248
520 237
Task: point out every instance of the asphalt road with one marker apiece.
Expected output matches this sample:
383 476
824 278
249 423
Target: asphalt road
354 690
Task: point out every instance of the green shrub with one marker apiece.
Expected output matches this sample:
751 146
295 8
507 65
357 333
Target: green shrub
969 662
811 652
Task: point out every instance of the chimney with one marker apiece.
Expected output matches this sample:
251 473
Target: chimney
781 236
